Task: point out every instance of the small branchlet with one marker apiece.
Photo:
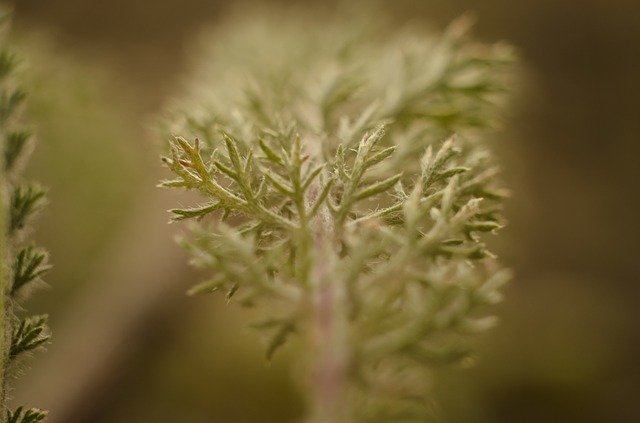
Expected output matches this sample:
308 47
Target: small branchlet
29 334
29 265
20 415
25 200
9 103
339 196
16 143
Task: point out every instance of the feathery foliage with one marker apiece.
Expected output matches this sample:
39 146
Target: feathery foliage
20 415
20 265
337 195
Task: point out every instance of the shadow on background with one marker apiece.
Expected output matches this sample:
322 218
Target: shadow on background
129 347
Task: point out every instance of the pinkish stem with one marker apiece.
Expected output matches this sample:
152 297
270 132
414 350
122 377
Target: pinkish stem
329 329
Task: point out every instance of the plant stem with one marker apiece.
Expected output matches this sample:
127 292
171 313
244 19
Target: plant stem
4 271
332 356
329 329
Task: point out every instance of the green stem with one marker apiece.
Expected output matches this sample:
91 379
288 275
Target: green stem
4 272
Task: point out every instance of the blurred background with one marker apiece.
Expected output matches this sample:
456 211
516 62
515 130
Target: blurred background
130 347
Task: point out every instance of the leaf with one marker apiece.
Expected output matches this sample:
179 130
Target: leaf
29 334
489 292
279 183
313 174
269 153
196 212
32 415
472 252
380 156
279 338
483 226
174 183
16 142
234 155
364 148
296 159
432 165
474 326
185 146
248 162
377 188
226 170
24 201
452 172
30 263
9 103
7 62
232 291
207 287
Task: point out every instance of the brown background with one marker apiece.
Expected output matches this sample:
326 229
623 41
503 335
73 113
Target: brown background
129 347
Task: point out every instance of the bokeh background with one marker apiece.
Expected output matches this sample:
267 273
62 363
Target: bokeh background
130 347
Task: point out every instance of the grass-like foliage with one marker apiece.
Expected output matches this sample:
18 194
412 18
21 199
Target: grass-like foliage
21 265
347 190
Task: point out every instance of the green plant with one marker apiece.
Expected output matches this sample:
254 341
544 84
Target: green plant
332 201
21 265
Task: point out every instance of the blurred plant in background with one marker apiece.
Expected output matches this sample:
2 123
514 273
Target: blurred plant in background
21 264
332 200
87 137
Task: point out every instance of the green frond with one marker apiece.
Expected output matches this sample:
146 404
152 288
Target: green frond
31 415
25 200
29 334
349 205
29 265
15 145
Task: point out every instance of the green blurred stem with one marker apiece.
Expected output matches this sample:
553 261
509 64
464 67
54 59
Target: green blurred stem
4 272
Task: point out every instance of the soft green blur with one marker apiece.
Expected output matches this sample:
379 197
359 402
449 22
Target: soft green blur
128 346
